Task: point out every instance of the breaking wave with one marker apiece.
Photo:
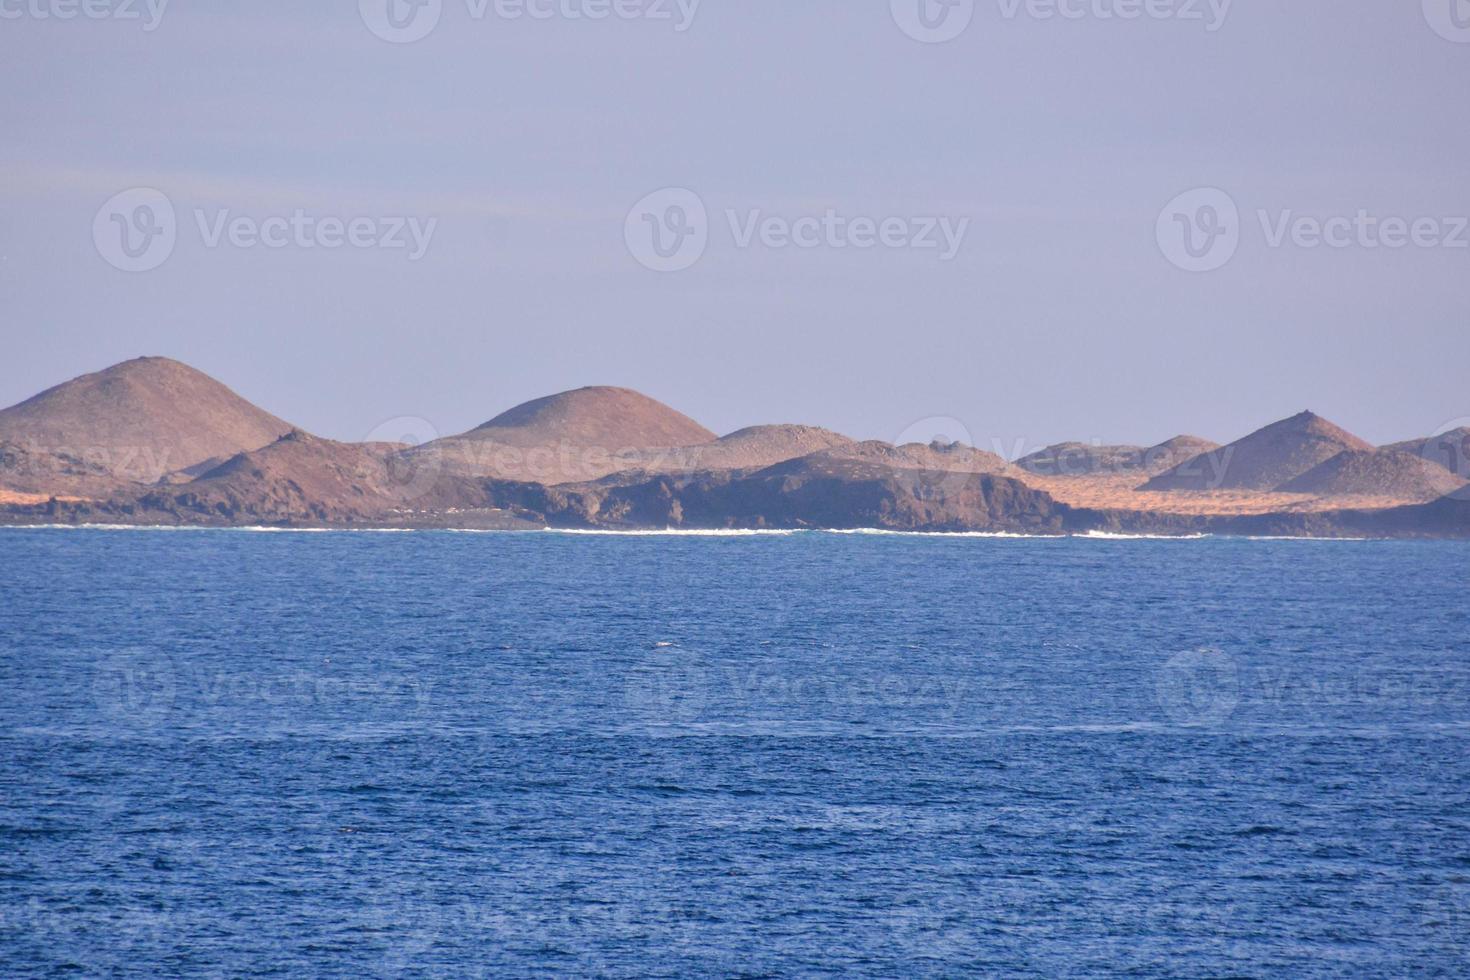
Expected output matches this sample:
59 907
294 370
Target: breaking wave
678 532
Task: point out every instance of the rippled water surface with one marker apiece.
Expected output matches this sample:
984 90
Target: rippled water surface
240 754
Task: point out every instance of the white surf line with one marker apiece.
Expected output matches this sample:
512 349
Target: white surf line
886 532
678 532
1119 536
692 532
1285 537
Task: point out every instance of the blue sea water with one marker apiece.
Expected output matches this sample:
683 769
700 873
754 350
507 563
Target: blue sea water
446 754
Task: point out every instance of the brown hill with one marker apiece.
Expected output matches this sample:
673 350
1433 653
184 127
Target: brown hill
301 477
1450 450
748 449
804 493
1082 459
875 457
1377 472
1263 460
1170 453
615 418
573 436
857 485
133 422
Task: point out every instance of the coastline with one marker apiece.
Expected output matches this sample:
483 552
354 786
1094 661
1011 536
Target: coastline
670 532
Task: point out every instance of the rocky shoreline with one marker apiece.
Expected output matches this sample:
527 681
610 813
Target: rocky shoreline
902 502
209 458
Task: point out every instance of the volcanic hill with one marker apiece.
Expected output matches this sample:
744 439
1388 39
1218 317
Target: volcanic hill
152 441
755 447
1263 460
569 437
1377 473
134 422
1083 459
304 478
877 457
1450 450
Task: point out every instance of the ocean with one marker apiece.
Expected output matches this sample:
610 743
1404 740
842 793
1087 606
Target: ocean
228 753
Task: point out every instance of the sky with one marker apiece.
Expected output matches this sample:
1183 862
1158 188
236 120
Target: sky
1010 221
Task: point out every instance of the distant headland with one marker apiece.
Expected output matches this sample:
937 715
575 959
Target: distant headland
153 441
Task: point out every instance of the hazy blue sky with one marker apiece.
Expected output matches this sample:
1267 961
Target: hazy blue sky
529 140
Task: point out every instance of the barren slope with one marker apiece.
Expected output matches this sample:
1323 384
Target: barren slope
133 422
1083 459
1263 460
1450 450
573 436
301 477
1382 472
